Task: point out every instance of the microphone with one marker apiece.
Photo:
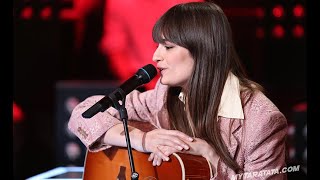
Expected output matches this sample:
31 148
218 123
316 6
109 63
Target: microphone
142 76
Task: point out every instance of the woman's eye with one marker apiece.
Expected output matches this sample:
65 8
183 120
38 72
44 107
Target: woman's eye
168 47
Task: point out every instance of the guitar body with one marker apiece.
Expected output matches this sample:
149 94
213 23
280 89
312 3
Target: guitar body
113 164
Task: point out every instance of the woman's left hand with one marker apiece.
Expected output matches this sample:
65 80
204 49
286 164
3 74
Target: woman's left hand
198 147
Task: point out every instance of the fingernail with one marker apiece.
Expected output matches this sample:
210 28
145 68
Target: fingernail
190 139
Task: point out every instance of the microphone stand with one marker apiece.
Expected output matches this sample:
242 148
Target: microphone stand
124 117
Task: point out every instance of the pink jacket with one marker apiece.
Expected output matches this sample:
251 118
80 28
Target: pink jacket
257 142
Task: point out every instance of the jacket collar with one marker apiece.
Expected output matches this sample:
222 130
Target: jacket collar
230 105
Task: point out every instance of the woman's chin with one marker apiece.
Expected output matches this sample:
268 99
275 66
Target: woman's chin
168 83
164 81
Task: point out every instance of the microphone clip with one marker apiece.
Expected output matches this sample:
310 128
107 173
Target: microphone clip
120 107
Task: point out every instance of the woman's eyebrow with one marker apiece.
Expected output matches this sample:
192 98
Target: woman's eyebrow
168 42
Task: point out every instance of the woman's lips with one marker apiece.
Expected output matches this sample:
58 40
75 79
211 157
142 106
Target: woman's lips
161 70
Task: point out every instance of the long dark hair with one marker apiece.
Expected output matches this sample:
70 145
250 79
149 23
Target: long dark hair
203 29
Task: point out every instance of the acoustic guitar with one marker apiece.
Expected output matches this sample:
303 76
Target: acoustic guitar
114 164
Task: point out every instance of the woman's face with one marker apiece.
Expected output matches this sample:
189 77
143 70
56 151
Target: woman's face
175 64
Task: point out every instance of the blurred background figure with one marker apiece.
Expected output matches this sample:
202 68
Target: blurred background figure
116 34
86 61
126 34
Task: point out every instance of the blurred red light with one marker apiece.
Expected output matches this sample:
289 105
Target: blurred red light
301 107
26 13
278 11
298 11
260 12
278 31
18 114
298 31
46 13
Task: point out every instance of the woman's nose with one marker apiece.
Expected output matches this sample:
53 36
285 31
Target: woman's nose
156 56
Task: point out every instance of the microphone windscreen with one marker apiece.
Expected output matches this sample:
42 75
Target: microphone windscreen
147 72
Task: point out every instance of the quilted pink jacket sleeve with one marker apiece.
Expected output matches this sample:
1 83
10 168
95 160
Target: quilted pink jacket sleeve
145 108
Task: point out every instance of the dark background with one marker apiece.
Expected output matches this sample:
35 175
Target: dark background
44 56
